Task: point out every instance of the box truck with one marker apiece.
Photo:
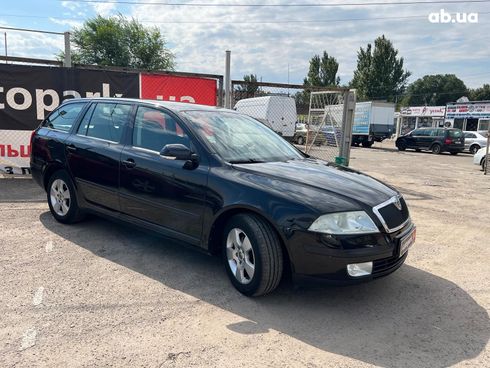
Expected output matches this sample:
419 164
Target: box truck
276 112
373 122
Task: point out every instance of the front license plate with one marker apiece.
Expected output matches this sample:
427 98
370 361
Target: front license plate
407 241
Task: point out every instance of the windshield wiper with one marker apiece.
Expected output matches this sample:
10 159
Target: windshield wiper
246 161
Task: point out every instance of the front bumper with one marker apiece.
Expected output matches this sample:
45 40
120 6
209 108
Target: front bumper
325 257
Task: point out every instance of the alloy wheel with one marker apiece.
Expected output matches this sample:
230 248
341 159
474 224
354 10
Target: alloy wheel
60 197
240 255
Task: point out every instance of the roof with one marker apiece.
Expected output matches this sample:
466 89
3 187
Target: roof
172 106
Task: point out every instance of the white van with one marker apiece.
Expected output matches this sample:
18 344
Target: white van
277 112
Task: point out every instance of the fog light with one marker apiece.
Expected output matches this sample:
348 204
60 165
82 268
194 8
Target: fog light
360 269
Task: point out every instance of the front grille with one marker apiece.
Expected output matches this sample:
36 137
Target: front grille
390 216
386 265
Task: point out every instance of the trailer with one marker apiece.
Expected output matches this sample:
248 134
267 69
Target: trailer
276 112
373 122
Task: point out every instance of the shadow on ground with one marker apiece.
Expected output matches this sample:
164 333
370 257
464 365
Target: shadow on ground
409 319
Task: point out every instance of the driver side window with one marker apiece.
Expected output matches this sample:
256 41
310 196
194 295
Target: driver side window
153 129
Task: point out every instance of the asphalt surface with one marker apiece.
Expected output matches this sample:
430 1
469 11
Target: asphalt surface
100 294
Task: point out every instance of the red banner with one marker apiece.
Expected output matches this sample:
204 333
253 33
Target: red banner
180 89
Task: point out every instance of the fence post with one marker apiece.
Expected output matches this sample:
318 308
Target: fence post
228 80
348 119
67 60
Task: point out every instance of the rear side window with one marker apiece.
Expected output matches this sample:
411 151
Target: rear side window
455 133
64 117
469 135
153 129
424 133
105 121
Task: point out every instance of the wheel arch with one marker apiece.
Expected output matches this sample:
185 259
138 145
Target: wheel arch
49 171
215 238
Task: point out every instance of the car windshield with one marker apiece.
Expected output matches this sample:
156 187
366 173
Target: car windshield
238 138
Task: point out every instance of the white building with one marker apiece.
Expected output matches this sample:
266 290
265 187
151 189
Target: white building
472 116
413 117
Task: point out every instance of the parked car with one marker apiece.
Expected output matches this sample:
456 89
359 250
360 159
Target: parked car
479 157
300 134
473 141
437 140
223 182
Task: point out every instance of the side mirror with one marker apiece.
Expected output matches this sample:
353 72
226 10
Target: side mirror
181 153
176 152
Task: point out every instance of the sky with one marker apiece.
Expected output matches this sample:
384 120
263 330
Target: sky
273 42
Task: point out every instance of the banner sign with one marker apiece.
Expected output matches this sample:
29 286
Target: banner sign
362 118
176 88
434 111
468 110
29 93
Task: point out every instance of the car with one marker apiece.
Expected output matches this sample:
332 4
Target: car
473 141
300 134
437 140
224 183
480 158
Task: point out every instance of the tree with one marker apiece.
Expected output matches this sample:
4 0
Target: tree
480 94
434 90
379 74
117 41
250 88
323 71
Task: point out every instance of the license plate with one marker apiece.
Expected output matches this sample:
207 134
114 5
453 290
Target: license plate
407 241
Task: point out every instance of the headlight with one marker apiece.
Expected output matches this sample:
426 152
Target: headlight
344 223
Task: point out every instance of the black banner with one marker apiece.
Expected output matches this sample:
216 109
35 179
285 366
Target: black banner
29 93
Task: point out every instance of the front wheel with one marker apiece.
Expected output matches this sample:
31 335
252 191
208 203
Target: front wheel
401 146
253 255
62 199
474 149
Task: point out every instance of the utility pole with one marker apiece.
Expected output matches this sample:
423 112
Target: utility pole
5 47
228 80
67 60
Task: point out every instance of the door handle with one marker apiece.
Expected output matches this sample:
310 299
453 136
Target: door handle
71 148
129 163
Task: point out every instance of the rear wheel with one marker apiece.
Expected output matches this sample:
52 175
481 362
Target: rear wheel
253 255
62 199
436 149
474 149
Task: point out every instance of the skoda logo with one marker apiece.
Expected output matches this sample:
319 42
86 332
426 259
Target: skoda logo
398 203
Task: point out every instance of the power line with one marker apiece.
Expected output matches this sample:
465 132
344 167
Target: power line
408 17
297 5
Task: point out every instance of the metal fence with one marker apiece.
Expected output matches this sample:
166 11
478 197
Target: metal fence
315 119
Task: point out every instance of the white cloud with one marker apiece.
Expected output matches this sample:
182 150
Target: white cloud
104 9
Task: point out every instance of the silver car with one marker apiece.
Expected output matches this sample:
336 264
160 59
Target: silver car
473 141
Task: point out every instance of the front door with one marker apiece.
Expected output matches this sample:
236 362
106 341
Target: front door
93 153
160 190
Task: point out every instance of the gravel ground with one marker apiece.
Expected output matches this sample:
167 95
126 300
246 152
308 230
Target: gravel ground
103 294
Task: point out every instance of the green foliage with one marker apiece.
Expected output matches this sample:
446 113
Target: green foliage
379 74
323 71
434 90
250 89
480 94
117 41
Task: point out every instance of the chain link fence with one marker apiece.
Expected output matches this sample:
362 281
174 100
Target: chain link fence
312 118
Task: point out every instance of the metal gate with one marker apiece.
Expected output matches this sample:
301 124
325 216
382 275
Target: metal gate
329 128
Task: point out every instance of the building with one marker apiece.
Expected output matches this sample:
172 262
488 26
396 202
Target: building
471 116
413 117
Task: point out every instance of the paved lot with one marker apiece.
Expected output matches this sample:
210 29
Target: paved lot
103 294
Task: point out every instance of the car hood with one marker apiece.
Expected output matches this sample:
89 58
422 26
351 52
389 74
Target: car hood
324 177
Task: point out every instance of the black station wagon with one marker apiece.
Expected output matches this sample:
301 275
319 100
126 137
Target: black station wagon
437 140
224 183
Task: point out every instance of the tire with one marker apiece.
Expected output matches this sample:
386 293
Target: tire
436 149
474 149
483 163
401 146
252 255
62 198
454 153
417 150
367 144
301 140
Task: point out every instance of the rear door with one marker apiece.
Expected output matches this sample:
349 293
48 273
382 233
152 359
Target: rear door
93 153
160 190
469 138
